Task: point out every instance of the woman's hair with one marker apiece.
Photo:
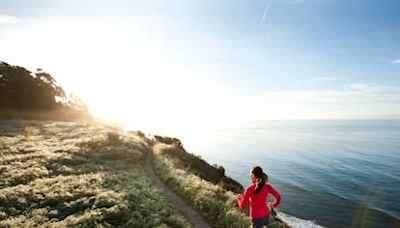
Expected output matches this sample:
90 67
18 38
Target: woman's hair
260 177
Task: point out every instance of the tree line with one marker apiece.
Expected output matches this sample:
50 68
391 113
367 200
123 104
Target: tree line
22 91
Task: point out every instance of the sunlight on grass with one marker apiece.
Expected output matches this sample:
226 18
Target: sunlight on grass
55 174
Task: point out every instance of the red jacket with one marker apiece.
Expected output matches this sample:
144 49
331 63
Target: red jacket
258 202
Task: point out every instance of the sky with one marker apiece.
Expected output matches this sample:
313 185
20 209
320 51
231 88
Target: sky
156 61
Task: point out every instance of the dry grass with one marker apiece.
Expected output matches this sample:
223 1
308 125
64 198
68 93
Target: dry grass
56 174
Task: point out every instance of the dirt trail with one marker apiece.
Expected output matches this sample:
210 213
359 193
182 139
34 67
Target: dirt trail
193 216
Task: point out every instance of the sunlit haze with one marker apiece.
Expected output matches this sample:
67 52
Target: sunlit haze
179 63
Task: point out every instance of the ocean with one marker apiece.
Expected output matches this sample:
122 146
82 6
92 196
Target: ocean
343 173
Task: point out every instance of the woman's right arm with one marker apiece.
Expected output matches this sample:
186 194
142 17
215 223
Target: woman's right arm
243 200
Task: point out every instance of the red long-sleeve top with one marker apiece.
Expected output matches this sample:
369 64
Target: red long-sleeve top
258 201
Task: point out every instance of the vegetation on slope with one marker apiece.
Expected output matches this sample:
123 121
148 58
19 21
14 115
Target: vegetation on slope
194 164
215 202
67 174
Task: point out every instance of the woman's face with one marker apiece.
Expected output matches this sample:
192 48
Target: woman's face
252 178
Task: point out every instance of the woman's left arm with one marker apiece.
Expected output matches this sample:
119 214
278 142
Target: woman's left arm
276 195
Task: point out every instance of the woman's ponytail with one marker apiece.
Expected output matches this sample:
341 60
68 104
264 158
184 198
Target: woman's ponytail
260 177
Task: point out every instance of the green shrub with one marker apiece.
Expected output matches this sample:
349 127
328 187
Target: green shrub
113 148
113 138
30 131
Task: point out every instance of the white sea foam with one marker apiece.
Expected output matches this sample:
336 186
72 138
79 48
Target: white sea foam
297 222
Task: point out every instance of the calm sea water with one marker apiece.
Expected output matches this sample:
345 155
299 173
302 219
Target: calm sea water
330 173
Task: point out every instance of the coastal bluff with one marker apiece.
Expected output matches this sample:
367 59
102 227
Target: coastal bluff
81 174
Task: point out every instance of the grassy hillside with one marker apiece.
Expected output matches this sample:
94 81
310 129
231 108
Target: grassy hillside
195 165
193 179
56 174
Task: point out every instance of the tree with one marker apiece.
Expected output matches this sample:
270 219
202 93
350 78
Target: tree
20 90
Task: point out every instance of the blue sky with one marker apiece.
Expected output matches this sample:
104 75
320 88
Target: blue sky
269 59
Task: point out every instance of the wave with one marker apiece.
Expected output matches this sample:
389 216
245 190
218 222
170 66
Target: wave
297 222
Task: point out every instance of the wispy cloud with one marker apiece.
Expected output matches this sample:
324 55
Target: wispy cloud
361 87
303 96
324 79
397 61
298 2
266 11
5 19
357 100
355 91
357 86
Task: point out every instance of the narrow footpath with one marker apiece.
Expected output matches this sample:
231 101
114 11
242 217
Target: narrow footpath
192 216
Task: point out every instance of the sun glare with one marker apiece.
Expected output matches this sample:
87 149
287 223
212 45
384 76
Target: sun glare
128 81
